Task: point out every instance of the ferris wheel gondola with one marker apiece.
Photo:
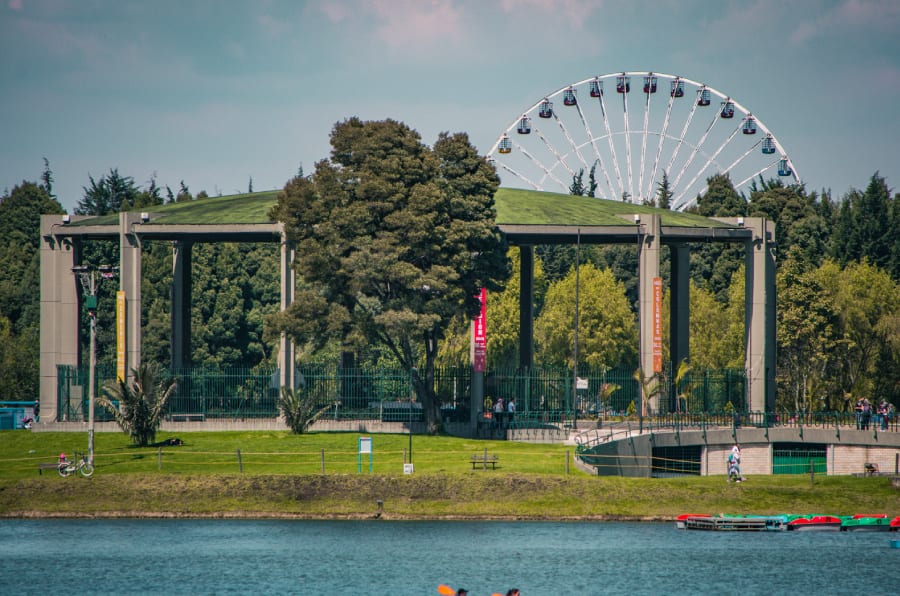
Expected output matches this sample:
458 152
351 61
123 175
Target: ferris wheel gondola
629 145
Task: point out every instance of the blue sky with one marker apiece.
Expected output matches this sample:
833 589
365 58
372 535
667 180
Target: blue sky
216 92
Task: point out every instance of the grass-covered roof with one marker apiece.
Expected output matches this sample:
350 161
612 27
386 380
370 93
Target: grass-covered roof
514 206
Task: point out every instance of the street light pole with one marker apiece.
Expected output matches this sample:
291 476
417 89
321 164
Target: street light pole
92 376
411 392
89 284
575 363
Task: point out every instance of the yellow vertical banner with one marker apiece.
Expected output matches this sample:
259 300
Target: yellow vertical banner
657 324
120 335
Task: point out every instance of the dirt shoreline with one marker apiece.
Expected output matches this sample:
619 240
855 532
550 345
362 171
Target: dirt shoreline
432 497
265 515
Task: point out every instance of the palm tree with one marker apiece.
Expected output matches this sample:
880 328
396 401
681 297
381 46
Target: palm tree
299 411
142 405
649 388
682 386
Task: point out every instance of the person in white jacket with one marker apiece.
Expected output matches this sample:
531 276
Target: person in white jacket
734 464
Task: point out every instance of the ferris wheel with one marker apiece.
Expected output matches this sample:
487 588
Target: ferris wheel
627 139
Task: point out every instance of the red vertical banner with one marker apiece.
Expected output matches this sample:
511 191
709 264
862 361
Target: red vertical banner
479 335
657 324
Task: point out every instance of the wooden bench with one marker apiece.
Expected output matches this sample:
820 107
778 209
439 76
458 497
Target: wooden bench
47 466
187 417
871 469
484 461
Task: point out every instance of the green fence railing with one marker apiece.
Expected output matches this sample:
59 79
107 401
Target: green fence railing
374 393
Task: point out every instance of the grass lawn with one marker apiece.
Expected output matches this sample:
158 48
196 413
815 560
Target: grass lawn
278 474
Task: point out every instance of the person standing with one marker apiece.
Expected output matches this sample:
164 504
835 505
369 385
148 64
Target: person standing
734 464
859 413
511 410
499 409
866 413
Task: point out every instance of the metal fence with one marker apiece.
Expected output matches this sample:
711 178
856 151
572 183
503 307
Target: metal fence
380 393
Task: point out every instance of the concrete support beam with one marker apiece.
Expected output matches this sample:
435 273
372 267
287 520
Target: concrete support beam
59 310
526 307
648 268
680 305
759 315
286 348
181 304
130 283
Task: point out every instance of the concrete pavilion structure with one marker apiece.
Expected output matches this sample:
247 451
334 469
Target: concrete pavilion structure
527 218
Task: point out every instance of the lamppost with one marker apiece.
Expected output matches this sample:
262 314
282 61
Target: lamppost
412 389
575 363
87 277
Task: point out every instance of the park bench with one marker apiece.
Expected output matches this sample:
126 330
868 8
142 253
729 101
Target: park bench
187 417
484 461
871 469
47 466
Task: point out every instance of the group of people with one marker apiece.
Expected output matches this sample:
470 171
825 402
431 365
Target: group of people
884 413
734 464
504 411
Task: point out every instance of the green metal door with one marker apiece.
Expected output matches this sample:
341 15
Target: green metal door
796 459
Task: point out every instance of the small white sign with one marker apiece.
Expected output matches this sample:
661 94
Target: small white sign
408 468
581 383
365 444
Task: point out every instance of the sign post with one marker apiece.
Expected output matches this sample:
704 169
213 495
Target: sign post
365 446
478 357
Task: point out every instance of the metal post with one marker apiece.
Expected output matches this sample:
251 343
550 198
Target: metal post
87 276
575 334
92 378
411 390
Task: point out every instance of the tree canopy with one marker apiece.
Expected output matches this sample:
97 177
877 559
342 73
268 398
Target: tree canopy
394 239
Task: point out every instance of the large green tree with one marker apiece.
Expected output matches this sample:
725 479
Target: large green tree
112 193
863 227
806 334
712 265
394 239
867 301
20 296
607 334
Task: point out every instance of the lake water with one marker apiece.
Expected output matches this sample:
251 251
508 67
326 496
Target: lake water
382 558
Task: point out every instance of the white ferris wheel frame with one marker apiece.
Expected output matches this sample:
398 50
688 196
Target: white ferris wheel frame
551 172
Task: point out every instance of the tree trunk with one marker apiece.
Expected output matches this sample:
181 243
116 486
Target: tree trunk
431 406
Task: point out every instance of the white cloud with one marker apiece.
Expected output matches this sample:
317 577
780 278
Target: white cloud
871 15
575 11
412 22
273 27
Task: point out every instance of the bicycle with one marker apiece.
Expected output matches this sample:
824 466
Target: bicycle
67 468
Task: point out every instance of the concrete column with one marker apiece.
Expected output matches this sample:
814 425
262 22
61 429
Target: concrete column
181 304
130 283
59 311
286 364
648 269
526 307
680 305
759 314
